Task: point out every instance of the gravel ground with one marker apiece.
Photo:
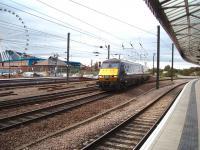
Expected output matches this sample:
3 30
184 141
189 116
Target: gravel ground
25 134
77 137
22 109
36 90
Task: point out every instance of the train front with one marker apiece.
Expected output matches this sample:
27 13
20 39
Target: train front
108 78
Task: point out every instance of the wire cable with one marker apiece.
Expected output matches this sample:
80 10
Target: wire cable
63 12
72 27
52 22
54 35
111 17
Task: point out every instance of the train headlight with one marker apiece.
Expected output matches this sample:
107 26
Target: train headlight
100 76
114 76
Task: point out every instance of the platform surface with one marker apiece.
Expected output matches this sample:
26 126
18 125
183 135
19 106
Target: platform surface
180 128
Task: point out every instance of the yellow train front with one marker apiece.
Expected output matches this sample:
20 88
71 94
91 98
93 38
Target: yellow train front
109 78
116 74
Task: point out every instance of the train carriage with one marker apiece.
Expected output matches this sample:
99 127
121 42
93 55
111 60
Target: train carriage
116 74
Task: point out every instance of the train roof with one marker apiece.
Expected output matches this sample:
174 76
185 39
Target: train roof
114 60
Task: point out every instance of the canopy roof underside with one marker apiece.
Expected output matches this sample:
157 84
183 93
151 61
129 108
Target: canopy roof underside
181 20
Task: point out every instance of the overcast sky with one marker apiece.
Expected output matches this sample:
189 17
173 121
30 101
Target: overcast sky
41 26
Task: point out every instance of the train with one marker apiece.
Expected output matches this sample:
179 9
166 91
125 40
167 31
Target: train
117 74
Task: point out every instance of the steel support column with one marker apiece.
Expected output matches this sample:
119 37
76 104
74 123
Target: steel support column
172 67
158 57
108 51
68 45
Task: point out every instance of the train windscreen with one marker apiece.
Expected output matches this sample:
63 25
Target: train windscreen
110 65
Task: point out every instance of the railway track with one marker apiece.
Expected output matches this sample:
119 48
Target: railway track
24 118
20 83
44 98
7 93
79 124
132 133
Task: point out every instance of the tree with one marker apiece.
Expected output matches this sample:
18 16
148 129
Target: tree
167 68
96 66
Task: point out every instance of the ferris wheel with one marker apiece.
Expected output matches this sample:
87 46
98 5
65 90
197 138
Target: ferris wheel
14 34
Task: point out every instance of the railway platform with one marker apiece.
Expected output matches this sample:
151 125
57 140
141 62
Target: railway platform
180 128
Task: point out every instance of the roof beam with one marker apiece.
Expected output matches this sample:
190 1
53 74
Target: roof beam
196 29
164 2
195 16
173 13
180 6
182 29
188 20
184 15
185 24
180 34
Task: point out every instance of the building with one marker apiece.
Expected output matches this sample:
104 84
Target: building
56 67
12 61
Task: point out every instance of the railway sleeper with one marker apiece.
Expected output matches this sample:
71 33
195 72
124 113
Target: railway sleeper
141 121
127 136
130 132
22 119
2 125
132 128
27 118
103 148
117 146
117 140
147 118
135 133
138 125
14 121
139 130
122 136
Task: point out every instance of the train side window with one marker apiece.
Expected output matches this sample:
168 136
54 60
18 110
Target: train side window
110 65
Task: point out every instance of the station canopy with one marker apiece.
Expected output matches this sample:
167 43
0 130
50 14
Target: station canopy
181 20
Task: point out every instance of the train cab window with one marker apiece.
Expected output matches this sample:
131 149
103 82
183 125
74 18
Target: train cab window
110 65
